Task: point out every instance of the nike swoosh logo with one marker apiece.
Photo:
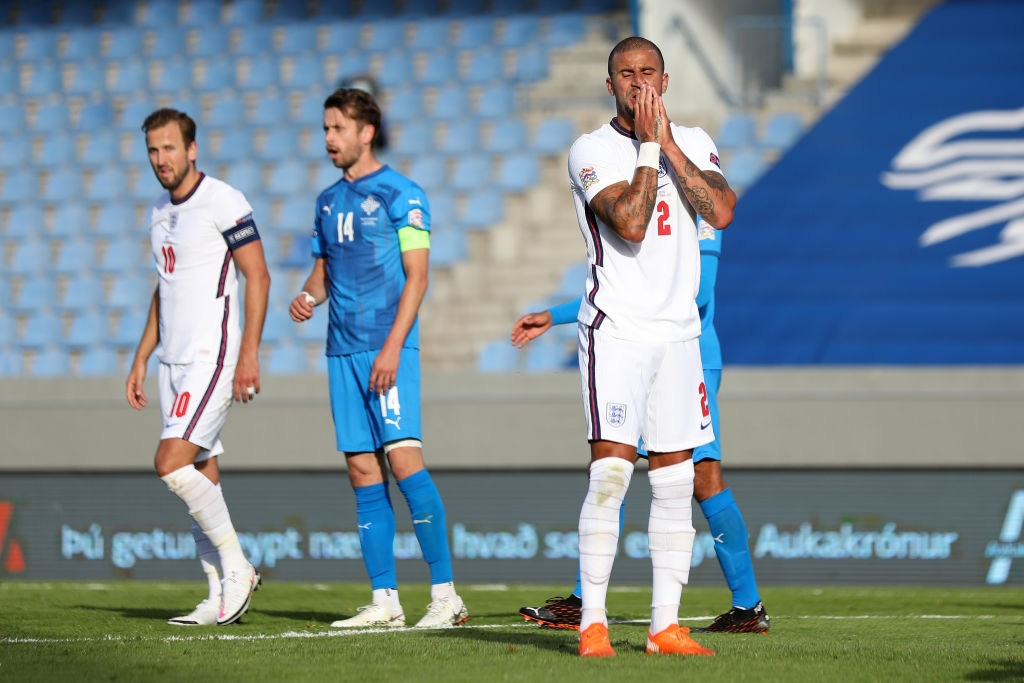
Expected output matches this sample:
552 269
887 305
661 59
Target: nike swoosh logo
703 427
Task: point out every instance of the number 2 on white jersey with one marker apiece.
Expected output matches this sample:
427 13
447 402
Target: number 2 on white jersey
345 230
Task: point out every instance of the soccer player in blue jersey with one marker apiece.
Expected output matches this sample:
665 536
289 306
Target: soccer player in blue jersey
371 240
747 614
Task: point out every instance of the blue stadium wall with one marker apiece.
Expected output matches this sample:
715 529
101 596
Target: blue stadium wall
893 232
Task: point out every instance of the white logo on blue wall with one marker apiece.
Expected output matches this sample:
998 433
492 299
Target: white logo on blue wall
972 157
1010 545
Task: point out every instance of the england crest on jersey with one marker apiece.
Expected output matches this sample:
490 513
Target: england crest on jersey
616 414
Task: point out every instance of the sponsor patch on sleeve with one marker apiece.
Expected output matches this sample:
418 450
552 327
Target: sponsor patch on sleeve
714 160
416 218
243 232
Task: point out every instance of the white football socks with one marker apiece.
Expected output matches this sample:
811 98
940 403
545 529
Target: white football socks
599 534
670 535
209 558
206 505
387 596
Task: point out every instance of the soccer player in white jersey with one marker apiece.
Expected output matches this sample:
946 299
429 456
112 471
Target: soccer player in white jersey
202 233
639 183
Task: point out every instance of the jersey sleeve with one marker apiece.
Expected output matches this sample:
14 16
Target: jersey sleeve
318 245
410 209
592 167
699 148
233 218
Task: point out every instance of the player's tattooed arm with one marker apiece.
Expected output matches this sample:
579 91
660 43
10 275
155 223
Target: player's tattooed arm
627 207
707 191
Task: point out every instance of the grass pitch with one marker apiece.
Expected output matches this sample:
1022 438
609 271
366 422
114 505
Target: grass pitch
118 632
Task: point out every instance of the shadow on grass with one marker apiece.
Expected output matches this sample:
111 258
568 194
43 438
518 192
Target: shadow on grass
999 670
556 640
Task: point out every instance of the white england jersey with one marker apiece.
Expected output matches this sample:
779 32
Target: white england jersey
199 304
645 291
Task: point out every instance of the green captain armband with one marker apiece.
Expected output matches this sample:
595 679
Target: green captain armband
410 238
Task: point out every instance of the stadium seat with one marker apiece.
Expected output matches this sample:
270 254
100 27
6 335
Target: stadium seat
12 118
307 71
440 67
431 34
531 64
442 209
404 104
218 74
297 38
75 13
312 331
396 69
280 143
506 135
781 131
8 325
379 10
18 186
451 102
52 119
482 210
487 66
15 152
100 361
81 292
210 41
350 64
44 79
121 256
565 29
63 184
158 14
41 328
38 45
34 293
124 42
429 171
169 41
263 72
471 172
745 166
554 136
70 220
115 219
88 328
9 78
296 217
447 246
101 146
496 100
548 354
50 362
518 172
226 112
11 364
254 40
203 13
286 360
55 149
95 116
269 111
247 176
572 282
277 326
461 136
474 32
24 222
130 292
415 136
107 184
738 130
519 30
75 256
386 35
81 44
325 176
342 36
289 12
128 329
298 252
249 12
287 178
130 78
466 8
498 356
134 113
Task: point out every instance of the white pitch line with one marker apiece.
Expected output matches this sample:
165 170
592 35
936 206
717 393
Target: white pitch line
343 633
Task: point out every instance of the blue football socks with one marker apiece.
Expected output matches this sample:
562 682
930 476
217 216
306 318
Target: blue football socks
428 521
731 545
376 520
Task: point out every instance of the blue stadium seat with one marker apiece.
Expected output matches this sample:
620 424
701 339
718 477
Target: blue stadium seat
298 253
738 130
466 8
52 118
62 185
308 72
100 361
325 176
404 104
7 42
120 256
75 256
11 364
474 32
451 102
210 41
431 34
129 292
130 78
82 291
396 69
25 221
254 40
531 64
429 172
487 66
296 217
34 294
351 64
415 136
498 356
482 210
227 112
289 12
297 38
447 247
134 113
70 220
102 146
314 330
247 176
38 45
277 326
386 35
50 362
81 44
342 36
128 329
88 328
745 166
519 30
471 172
263 72
333 10
280 143
554 136
107 184
548 354
442 209
18 186
203 13
269 111
565 29
461 136
572 282
286 360
287 178
41 328
44 79
167 42
115 219
518 172
781 131
76 13
55 150
124 42
507 135
15 151
9 80
218 75
440 66
250 12
158 14
8 325
95 116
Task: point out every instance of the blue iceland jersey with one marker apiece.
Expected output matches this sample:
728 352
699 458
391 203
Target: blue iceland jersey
356 232
710 242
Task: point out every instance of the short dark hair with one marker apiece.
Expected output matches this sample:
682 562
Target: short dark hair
358 105
161 117
634 43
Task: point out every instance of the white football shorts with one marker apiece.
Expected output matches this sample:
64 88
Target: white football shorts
650 389
195 399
